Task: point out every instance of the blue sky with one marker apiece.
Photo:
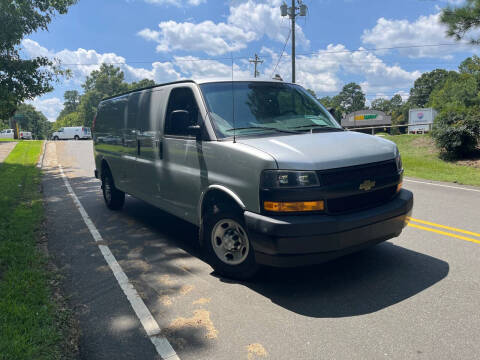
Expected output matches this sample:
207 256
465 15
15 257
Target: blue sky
167 40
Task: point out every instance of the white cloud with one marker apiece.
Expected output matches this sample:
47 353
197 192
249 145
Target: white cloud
50 107
264 19
195 68
247 21
82 62
426 30
321 70
208 37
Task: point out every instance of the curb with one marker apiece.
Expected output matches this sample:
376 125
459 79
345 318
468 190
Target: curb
42 156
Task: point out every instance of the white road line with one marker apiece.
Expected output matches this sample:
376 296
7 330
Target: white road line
148 322
441 185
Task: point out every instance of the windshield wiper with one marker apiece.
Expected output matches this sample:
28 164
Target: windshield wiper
264 128
311 126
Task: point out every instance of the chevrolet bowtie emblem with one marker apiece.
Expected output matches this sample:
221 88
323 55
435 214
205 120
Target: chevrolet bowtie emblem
367 185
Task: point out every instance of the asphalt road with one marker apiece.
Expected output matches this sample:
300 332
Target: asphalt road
416 296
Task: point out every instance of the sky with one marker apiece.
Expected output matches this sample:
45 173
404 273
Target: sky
339 41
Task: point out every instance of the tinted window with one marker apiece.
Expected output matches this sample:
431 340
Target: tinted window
249 107
181 99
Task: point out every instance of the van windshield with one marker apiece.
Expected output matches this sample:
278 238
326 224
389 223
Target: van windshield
264 107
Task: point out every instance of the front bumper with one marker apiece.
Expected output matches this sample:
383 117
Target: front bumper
309 239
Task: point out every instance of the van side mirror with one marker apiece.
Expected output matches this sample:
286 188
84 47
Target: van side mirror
181 122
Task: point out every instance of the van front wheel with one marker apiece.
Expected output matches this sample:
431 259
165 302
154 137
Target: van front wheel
114 198
228 247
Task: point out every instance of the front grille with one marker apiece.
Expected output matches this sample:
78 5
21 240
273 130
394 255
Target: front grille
360 201
362 172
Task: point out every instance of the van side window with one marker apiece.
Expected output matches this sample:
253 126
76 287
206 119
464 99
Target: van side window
181 99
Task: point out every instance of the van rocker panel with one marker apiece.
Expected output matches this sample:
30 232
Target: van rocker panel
310 239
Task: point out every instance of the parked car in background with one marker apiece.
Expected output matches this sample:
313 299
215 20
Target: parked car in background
7 134
25 135
261 167
72 133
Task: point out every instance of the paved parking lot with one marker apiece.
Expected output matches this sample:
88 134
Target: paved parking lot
416 296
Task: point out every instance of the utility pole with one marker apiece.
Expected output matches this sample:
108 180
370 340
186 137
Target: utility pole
256 61
292 14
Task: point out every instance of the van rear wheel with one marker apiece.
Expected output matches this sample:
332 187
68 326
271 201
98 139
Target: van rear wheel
227 245
114 198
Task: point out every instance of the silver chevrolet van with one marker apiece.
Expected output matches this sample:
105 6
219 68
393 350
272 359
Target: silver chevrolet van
261 167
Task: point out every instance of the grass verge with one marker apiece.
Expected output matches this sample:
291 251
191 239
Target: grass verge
29 322
421 160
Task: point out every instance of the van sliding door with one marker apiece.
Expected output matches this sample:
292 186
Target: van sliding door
149 157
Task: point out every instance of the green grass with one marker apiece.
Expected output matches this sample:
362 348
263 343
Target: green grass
3 139
29 327
421 160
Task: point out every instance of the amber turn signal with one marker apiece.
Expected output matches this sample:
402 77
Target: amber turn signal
294 206
399 187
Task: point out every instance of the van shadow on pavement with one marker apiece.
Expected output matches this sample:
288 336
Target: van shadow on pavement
354 285
357 284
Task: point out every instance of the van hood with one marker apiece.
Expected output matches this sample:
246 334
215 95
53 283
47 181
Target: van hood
324 150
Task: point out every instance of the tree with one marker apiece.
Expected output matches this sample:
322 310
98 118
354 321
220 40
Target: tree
22 79
462 19
458 91
141 84
29 119
381 104
101 83
425 84
351 98
470 65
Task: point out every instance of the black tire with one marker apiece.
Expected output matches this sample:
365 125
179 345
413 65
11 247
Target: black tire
114 198
242 271
76 137
55 138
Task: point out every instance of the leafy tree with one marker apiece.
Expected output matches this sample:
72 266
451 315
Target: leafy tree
71 119
425 84
22 79
470 65
461 90
101 83
351 98
381 104
461 20
333 106
29 119
141 84
457 131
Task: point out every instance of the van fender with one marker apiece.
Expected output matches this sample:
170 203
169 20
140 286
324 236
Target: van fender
228 192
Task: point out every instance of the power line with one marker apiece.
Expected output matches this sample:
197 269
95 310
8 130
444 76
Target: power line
280 58
319 52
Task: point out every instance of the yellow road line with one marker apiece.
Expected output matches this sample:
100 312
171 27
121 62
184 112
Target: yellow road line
445 233
446 227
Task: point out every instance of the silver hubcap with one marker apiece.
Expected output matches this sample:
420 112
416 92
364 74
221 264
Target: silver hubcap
230 242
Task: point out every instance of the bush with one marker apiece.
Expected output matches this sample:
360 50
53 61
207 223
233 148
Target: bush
457 131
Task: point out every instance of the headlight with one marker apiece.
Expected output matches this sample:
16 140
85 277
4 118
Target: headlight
281 179
399 163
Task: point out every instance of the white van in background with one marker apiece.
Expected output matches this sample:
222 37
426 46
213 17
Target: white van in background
7 134
25 135
75 133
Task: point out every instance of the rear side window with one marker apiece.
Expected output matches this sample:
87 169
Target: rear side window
181 99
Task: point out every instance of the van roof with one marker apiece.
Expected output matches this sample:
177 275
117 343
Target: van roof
196 81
